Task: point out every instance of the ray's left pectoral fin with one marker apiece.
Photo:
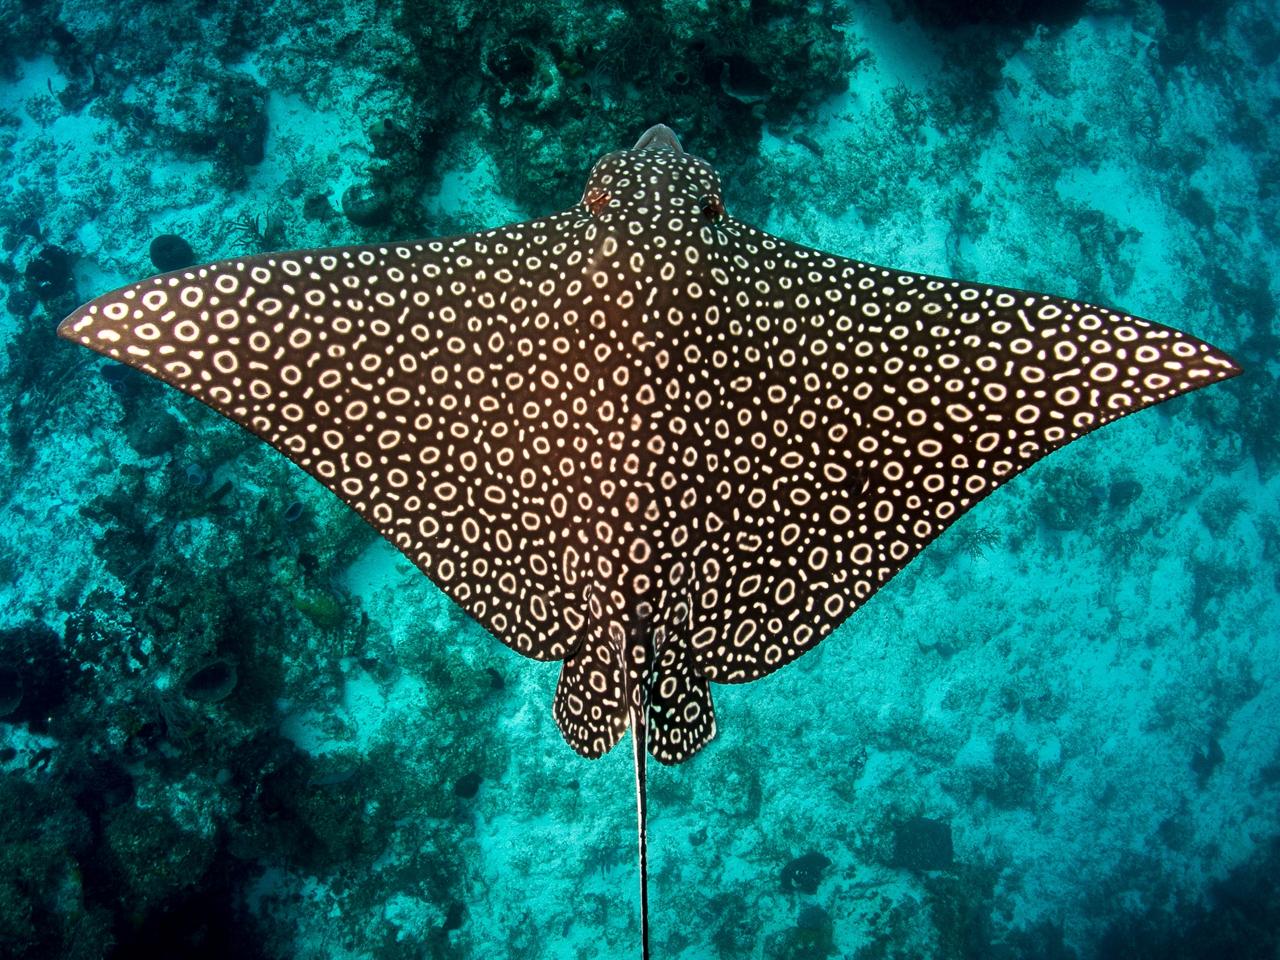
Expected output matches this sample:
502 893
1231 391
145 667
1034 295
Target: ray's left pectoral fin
590 707
1053 369
944 392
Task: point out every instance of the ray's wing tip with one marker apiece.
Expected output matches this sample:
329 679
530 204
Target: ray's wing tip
67 328
103 323
1221 365
75 326
1207 362
1231 367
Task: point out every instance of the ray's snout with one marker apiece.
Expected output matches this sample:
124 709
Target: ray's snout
661 137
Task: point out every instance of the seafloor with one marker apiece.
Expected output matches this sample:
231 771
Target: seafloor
235 723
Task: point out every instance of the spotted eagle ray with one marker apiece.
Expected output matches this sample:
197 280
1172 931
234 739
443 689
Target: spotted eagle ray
640 436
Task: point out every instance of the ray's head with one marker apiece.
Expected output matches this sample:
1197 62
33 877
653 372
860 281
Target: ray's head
656 182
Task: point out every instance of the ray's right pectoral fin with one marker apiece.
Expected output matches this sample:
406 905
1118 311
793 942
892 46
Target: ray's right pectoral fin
682 719
339 359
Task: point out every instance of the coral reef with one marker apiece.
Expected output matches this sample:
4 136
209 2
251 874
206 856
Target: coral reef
545 68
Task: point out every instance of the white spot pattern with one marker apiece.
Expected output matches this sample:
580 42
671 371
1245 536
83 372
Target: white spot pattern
639 435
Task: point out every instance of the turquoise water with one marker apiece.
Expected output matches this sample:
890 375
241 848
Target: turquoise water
236 723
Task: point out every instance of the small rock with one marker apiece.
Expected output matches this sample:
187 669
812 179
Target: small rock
1207 760
10 690
922 844
366 204
467 786
152 432
170 252
211 683
454 916
20 302
1124 492
317 207
813 917
388 139
812 938
804 873
514 65
195 475
49 273
245 137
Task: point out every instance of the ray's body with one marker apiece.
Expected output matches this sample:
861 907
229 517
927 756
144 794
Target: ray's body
640 436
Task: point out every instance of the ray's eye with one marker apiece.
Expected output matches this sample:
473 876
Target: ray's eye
597 199
712 207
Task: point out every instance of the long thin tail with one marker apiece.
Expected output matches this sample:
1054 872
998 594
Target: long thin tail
639 746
